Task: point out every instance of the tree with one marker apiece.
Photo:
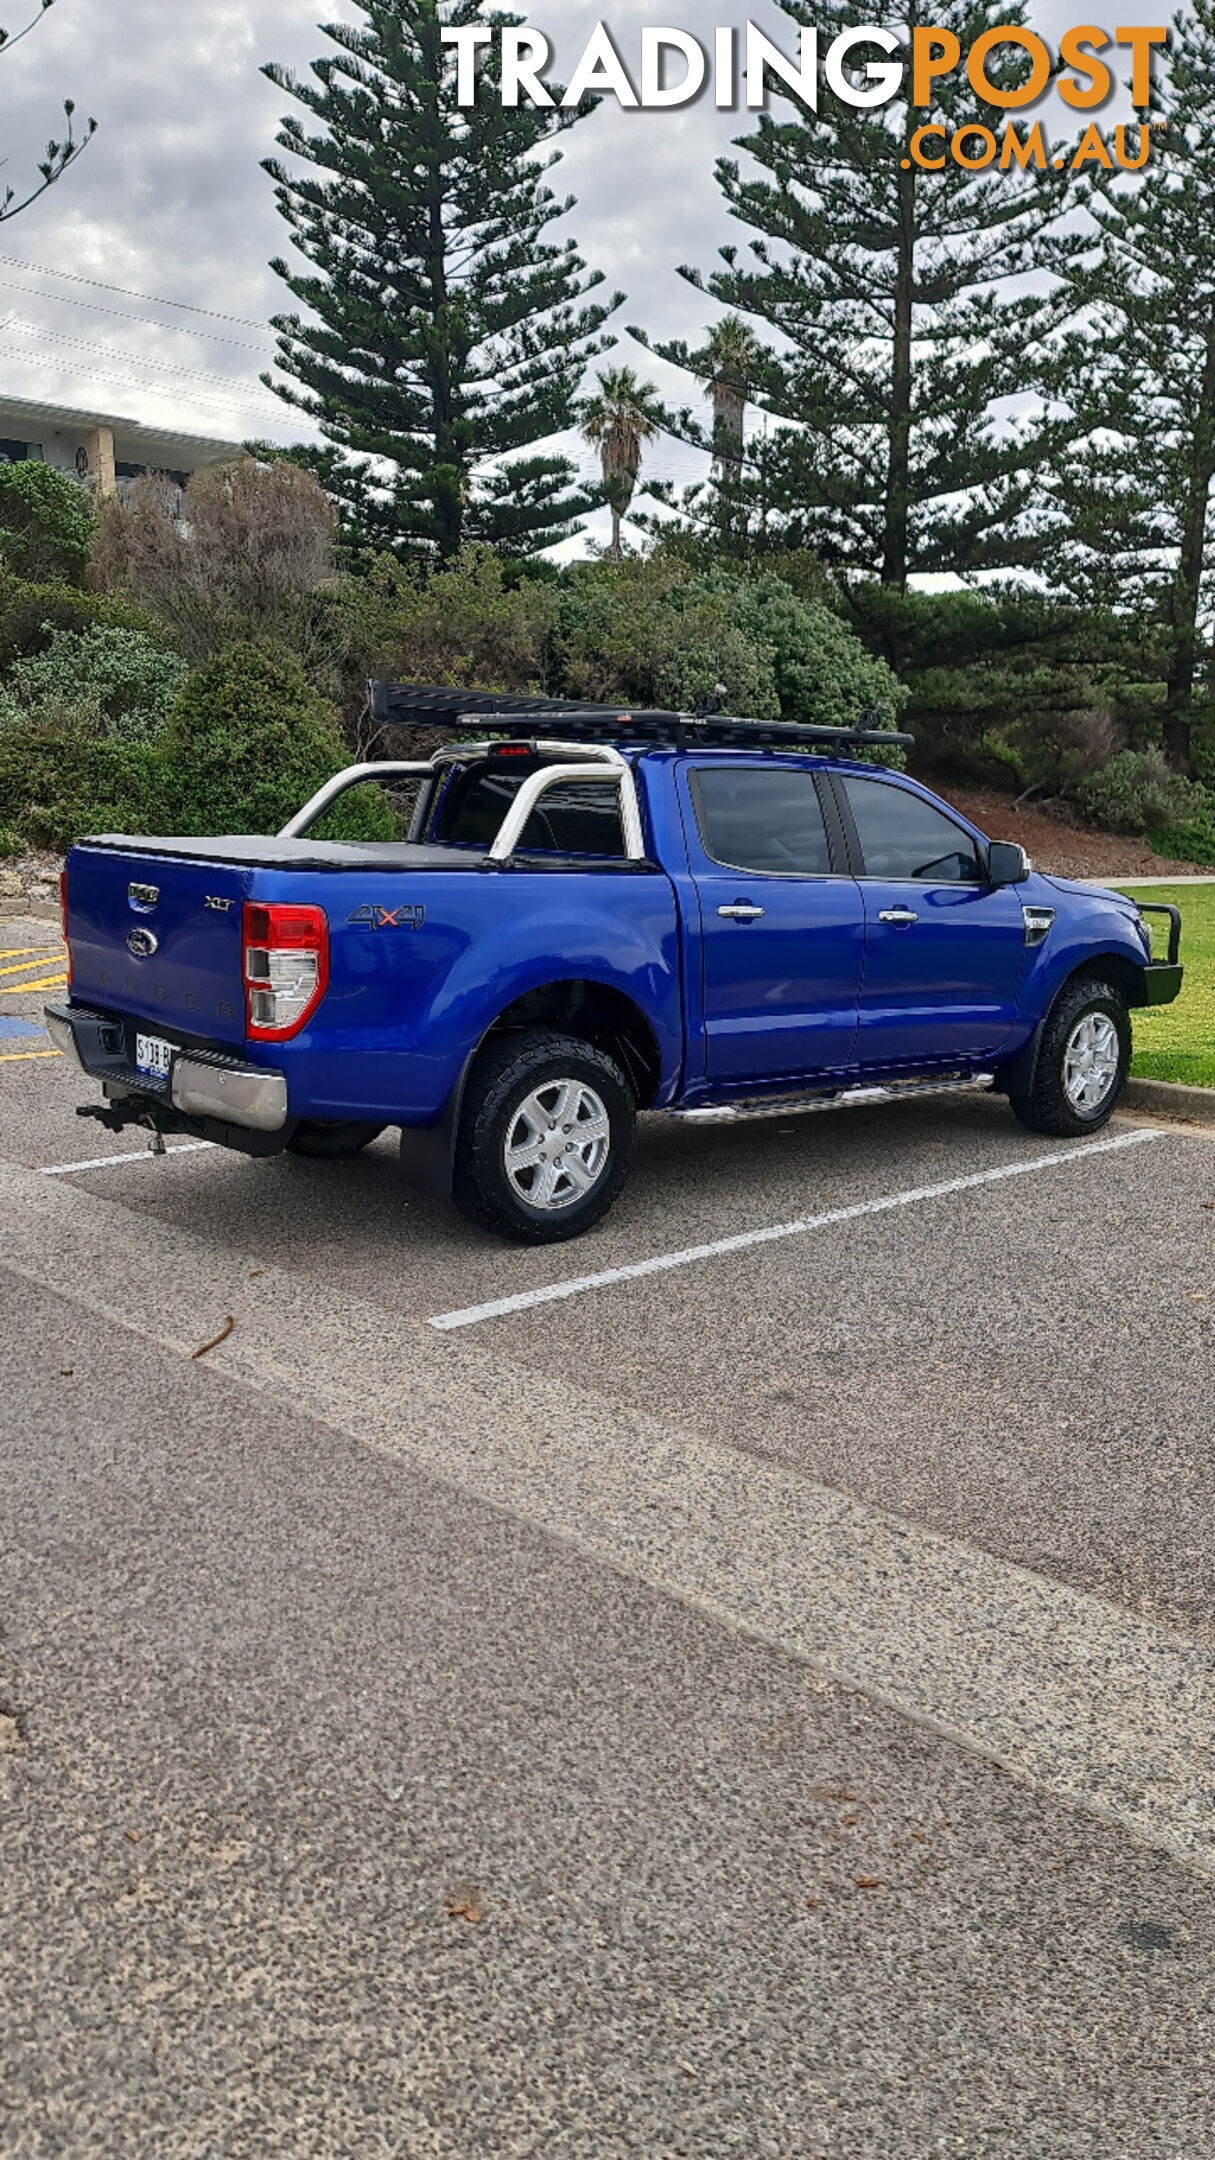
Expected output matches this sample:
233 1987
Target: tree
727 367
1138 378
622 415
59 155
450 334
884 287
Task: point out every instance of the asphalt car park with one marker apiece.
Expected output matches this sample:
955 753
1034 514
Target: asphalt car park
1028 1361
783 1616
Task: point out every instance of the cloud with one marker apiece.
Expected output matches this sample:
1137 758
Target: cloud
170 200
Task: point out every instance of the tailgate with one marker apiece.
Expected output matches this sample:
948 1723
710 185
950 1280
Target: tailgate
159 938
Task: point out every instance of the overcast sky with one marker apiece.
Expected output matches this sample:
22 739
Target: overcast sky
169 200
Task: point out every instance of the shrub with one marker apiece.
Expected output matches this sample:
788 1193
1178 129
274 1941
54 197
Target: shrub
1136 792
238 556
824 676
30 615
248 741
56 786
1193 838
103 680
646 632
46 522
463 625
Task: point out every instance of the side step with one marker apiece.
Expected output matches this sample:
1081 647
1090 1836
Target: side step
852 1098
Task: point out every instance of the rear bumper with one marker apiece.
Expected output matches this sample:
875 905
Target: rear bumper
202 1089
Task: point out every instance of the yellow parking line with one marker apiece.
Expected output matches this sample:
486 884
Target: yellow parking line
47 956
31 952
14 1057
45 982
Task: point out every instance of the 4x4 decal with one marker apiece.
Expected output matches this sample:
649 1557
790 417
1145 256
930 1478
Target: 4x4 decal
380 918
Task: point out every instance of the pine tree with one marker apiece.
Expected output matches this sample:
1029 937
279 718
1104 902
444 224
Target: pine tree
453 333
1138 378
883 288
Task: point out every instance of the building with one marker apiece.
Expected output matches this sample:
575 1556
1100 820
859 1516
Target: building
102 448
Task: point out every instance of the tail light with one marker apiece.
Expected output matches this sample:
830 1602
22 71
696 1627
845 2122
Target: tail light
63 916
286 967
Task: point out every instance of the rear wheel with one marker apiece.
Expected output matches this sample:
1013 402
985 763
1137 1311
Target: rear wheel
331 1143
1082 1062
546 1137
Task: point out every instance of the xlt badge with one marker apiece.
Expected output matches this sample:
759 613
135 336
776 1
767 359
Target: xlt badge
221 907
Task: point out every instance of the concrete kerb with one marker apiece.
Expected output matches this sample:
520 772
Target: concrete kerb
1169 1098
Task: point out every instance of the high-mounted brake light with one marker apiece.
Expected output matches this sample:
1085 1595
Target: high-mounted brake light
63 916
286 967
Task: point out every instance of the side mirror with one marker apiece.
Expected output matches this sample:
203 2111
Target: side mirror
1007 864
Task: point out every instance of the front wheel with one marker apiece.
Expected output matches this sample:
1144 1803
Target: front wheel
1082 1062
546 1137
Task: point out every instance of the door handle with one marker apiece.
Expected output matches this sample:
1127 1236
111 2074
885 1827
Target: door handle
741 912
902 916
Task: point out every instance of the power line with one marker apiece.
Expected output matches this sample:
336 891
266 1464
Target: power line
199 397
129 292
107 352
96 307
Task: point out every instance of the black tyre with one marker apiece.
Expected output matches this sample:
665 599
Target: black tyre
545 1139
1082 1062
331 1143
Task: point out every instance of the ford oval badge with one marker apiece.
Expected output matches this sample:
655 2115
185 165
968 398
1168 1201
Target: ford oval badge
142 943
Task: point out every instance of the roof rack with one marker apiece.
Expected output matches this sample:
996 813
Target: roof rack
424 705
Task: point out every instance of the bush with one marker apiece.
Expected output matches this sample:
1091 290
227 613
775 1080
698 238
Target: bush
46 522
646 632
463 625
1136 792
1193 838
56 786
31 614
103 681
240 555
247 742
824 676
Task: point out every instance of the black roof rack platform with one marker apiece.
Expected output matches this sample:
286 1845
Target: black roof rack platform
424 705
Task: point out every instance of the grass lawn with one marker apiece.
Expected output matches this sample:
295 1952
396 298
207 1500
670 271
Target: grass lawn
1177 1042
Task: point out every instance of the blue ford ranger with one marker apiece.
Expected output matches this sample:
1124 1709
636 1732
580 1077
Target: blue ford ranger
601 914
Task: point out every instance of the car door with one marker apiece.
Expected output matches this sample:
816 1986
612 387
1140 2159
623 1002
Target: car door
782 923
944 952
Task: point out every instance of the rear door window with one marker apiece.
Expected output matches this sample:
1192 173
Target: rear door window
904 837
761 818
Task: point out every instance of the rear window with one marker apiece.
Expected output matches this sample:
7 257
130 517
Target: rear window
574 818
761 819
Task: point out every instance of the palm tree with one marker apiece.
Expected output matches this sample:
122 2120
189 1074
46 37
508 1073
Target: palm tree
622 416
727 365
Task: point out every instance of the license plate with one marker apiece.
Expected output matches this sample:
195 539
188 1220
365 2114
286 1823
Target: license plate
153 1056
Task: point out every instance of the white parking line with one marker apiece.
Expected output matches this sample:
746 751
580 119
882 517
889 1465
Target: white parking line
525 1299
103 1162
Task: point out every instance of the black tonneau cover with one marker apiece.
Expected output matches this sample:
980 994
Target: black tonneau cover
256 852
268 852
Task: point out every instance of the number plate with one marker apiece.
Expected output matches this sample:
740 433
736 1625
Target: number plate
153 1056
